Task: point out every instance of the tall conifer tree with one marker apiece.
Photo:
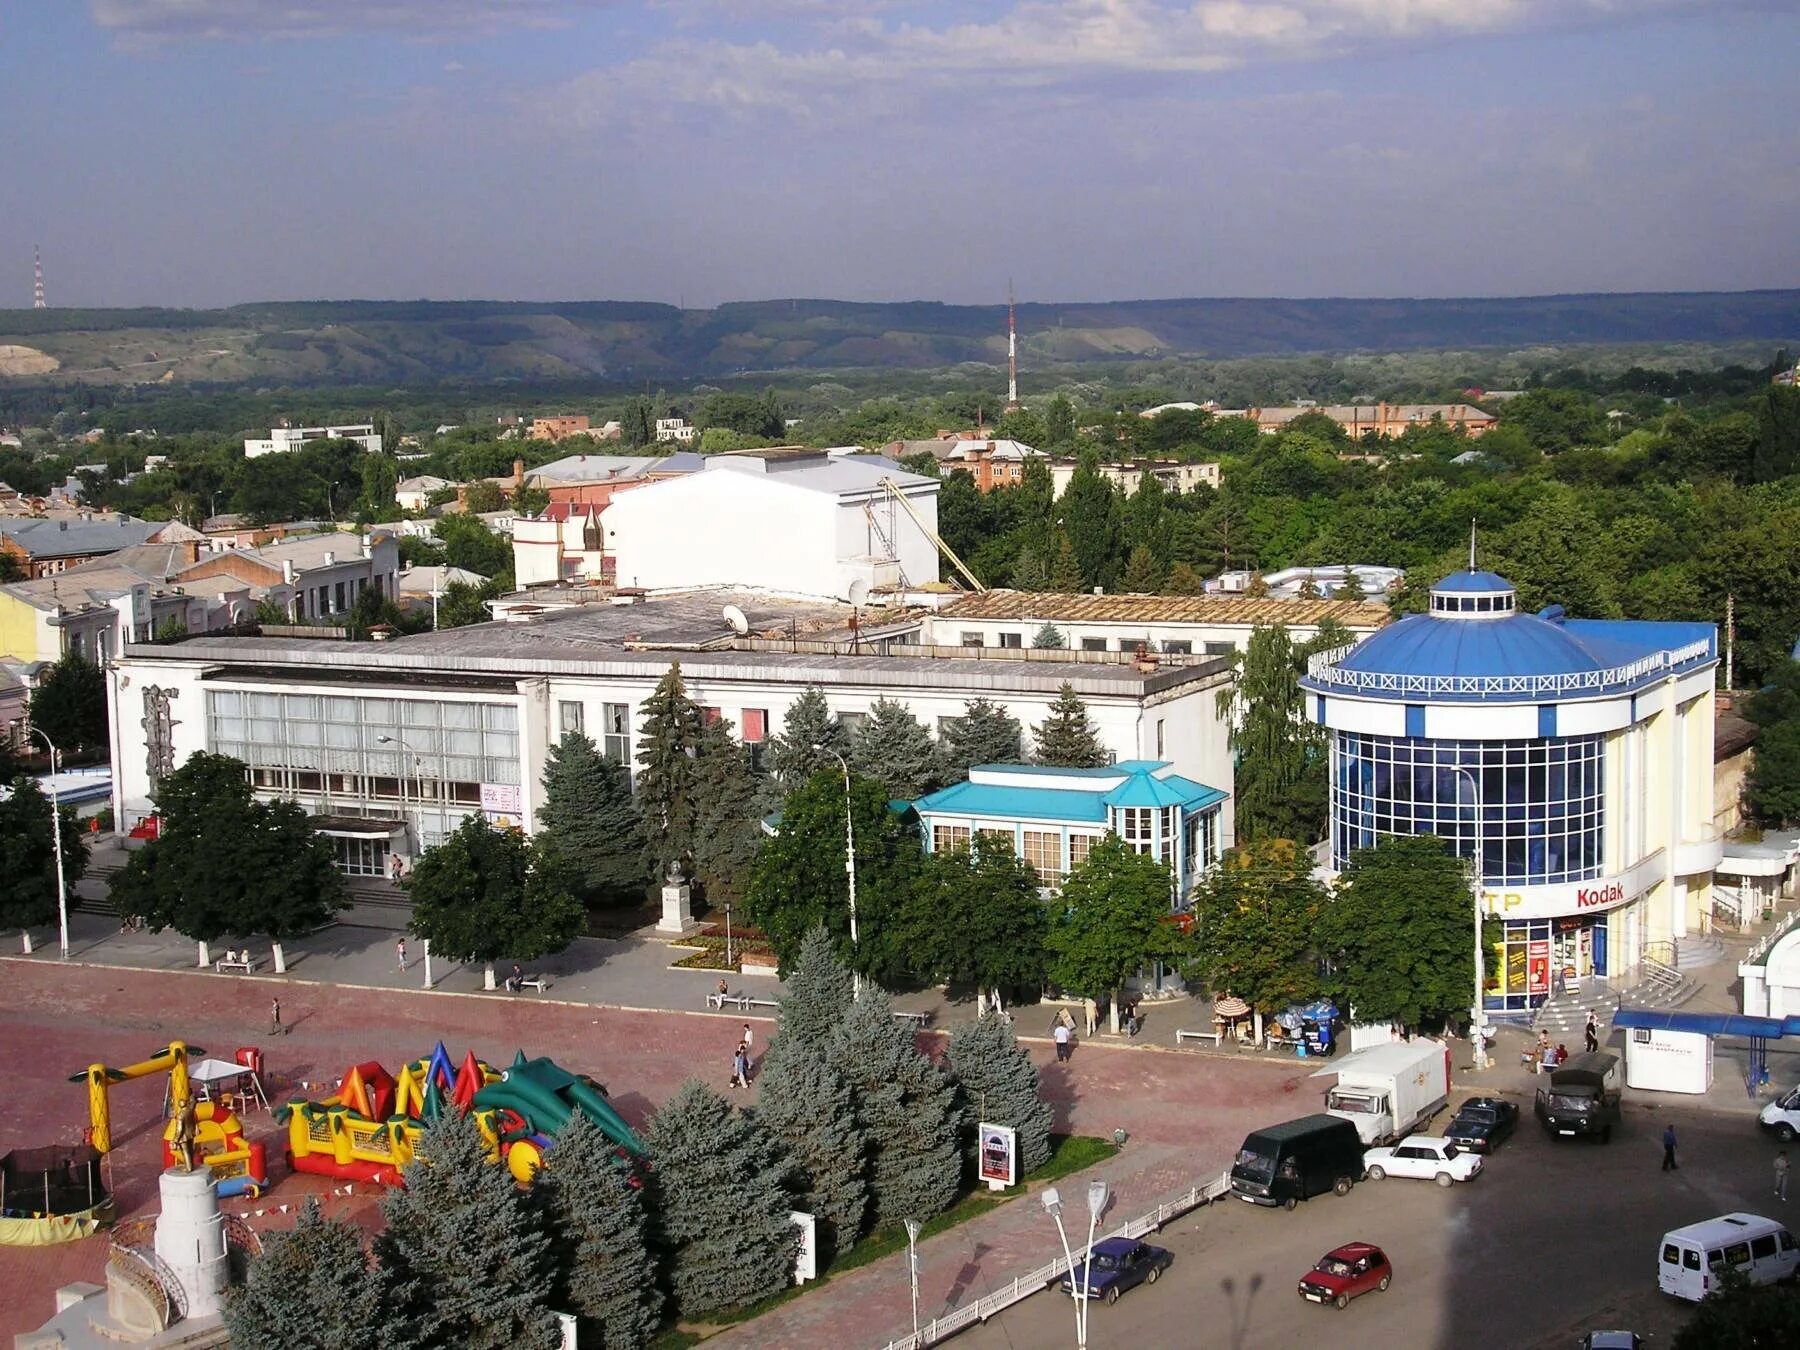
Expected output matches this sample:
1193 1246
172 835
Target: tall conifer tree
809 733
806 1104
896 751
312 1289
588 810
1000 1085
667 744
603 1251
1066 737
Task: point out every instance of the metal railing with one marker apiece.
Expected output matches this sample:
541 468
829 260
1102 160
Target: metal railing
1760 952
1024 1286
132 1252
1323 669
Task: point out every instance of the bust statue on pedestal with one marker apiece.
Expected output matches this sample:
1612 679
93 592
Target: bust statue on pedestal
677 898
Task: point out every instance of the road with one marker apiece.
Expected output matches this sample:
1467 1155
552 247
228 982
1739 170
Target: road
1553 1239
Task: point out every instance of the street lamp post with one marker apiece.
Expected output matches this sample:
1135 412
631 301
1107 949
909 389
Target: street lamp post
62 891
729 962
849 862
1478 1023
1096 1198
418 777
912 1263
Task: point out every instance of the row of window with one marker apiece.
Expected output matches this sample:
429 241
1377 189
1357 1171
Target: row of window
1043 849
1172 647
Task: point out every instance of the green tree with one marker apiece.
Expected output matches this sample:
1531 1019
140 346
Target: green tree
985 734
1065 568
1143 574
1778 433
909 1112
808 1108
589 812
225 862
799 880
1000 1085
1059 423
1398 930
809 736
471 545
1049 637
1067 737
380 476
28 857
1281 759
1089 511
1184 580
485 893
482 495
1739 1315
637 425
975 918
717 1190
1773 791
896 751
727 824
436 1295
602 1248
669 740
1111 920
819 992
1028 571
1255 916
462 604
69 705
311 1289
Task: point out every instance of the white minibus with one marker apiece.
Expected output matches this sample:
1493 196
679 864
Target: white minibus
1695 1259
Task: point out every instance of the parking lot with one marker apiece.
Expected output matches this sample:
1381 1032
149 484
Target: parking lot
1556 1237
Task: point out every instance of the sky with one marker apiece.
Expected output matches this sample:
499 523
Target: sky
210 152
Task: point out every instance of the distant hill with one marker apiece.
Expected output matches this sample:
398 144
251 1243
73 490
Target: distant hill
422 342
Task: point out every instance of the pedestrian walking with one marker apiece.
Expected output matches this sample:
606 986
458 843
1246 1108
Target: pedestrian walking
740 1067
1592 1032
1062 1041
400 952
1669 1163
275 1027
1781 1173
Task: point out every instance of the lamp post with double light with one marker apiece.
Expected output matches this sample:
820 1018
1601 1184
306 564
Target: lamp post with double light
849 863
62 890
1079 1286
1478 1022
418 781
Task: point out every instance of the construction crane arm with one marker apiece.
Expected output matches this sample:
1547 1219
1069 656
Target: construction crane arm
892 488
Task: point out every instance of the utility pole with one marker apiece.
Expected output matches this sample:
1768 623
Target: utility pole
1012 352
1730 638
37 278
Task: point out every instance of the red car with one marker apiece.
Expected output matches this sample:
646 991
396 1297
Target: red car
1355 1268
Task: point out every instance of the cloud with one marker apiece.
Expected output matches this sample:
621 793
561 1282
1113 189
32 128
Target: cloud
170 20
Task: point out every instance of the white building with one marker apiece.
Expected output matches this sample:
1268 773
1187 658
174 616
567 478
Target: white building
562 544
282 439
392 744
414 494
1174 475
799 521
1164 625
675 429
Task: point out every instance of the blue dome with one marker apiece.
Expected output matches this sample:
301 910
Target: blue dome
1453 654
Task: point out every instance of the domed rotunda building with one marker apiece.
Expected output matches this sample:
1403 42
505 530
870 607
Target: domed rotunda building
1569 759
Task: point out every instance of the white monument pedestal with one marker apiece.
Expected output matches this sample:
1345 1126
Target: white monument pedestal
678 909
190 1238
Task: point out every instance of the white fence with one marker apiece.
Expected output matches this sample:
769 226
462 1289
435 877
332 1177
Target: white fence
1024 1286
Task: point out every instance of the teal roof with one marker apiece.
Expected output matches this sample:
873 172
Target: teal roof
1143 790
1010 803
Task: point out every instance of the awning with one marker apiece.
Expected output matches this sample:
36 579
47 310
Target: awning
1709 1024
356 827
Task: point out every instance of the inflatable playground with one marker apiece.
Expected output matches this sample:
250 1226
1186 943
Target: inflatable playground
368 1130
238 1165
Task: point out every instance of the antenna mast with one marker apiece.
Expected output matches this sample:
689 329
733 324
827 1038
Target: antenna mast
1471 545
1012 352
37 278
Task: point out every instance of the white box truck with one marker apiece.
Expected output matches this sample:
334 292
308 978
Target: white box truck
1388 1091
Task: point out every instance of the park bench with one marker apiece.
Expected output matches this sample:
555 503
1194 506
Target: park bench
239 961
538 982
918 1019
742 1002
1183 1035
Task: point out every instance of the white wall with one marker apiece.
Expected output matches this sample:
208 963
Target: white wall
948 630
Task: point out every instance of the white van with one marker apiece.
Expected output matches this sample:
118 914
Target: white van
1695 1258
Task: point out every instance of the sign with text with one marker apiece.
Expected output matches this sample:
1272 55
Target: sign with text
502 799
999 1155
1572 897
1537 965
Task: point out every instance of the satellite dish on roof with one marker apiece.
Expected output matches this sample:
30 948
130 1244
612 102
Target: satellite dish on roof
859 592
735 617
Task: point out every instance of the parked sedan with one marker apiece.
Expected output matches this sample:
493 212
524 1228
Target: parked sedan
1355 1268
1118 1264
1421 1155
1482 1124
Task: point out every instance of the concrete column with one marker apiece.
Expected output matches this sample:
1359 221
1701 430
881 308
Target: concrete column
190 1238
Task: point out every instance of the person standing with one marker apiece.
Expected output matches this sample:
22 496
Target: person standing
1669 1163
1592 1032
740 1067
1062 1042
275 1028
1781 1173
400 952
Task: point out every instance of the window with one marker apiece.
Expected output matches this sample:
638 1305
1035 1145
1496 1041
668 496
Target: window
1738 1254
852 723
1761 1248
1079 845
1671 1253
338 606
946 838
946 727
994 836
708 716
1223 649
1787 1241
1018 640
569 717
756 727
1690 1259
1159 755
615 726
1099 645
1042 851
1187 649
975 640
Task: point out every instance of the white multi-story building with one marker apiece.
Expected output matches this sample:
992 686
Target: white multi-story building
804 522
392 744
282 439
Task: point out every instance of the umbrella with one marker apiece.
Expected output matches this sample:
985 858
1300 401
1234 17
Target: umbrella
1232 1006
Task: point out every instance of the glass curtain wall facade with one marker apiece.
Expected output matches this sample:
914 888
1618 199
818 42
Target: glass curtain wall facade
1542 801
326 752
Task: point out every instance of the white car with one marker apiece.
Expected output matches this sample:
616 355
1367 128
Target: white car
1422 1155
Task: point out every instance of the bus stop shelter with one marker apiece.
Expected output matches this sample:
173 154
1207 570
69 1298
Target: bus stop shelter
1758 1031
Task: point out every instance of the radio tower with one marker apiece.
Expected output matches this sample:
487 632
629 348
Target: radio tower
37 278
1012 353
